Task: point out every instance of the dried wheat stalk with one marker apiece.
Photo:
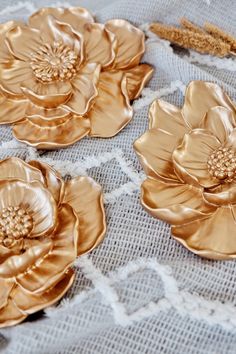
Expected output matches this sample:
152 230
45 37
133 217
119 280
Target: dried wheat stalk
191 26
201 42
217 32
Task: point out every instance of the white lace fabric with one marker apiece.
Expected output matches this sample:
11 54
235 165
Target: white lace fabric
139 291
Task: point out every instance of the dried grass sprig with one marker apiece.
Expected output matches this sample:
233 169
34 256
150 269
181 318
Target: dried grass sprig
218 33
191 26
203 43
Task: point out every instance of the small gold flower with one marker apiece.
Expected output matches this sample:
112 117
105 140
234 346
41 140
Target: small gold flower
189 156
44 224
63 76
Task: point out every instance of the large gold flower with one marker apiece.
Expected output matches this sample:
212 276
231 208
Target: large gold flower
63 76
44 224
189 156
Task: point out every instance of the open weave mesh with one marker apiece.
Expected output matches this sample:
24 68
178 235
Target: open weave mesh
140 291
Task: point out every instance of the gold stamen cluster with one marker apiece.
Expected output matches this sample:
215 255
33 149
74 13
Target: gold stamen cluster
54 62
222 164
15 223
208 40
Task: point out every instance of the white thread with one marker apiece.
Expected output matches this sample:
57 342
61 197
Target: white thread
127 167
148 95
126 189
102 284
12 144
81 168
33 153
87 163
185 303
204 59
66 167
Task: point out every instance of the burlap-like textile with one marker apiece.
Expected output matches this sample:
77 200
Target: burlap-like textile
140 291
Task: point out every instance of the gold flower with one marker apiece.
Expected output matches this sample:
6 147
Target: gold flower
189 156
44 224
63 76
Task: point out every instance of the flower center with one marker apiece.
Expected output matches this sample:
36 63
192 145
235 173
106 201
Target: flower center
15 224
54 62
222 164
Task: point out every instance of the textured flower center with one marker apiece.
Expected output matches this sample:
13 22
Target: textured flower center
222 164
54 62
15 223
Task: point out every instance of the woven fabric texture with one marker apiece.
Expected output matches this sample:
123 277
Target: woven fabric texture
139 291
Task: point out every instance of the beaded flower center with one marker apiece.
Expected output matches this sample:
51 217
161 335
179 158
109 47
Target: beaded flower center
54 62
15 224
222 164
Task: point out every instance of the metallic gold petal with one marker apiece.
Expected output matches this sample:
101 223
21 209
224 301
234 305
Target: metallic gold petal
212 237
18 264
10 315
154 149
34 111
5 289
5 55
60 136
190 158
15 249
52 31
6 253
231 141
30 303
52 179
22 41
49 123
49 95
44 117
137 78
31 242
75 16
200 96
12 111
84 89
35 199
43 210
220 122
174 203
224 194
99 44
111 111
85 197
47 272
15 168
130 44
12 74
165 116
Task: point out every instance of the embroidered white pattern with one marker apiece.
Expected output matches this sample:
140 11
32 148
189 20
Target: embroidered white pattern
219 63
82 167
149 95
185 303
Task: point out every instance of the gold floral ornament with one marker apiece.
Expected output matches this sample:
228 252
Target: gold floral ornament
44 224
189 156
63 76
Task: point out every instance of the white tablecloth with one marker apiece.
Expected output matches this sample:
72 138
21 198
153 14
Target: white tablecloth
140 291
